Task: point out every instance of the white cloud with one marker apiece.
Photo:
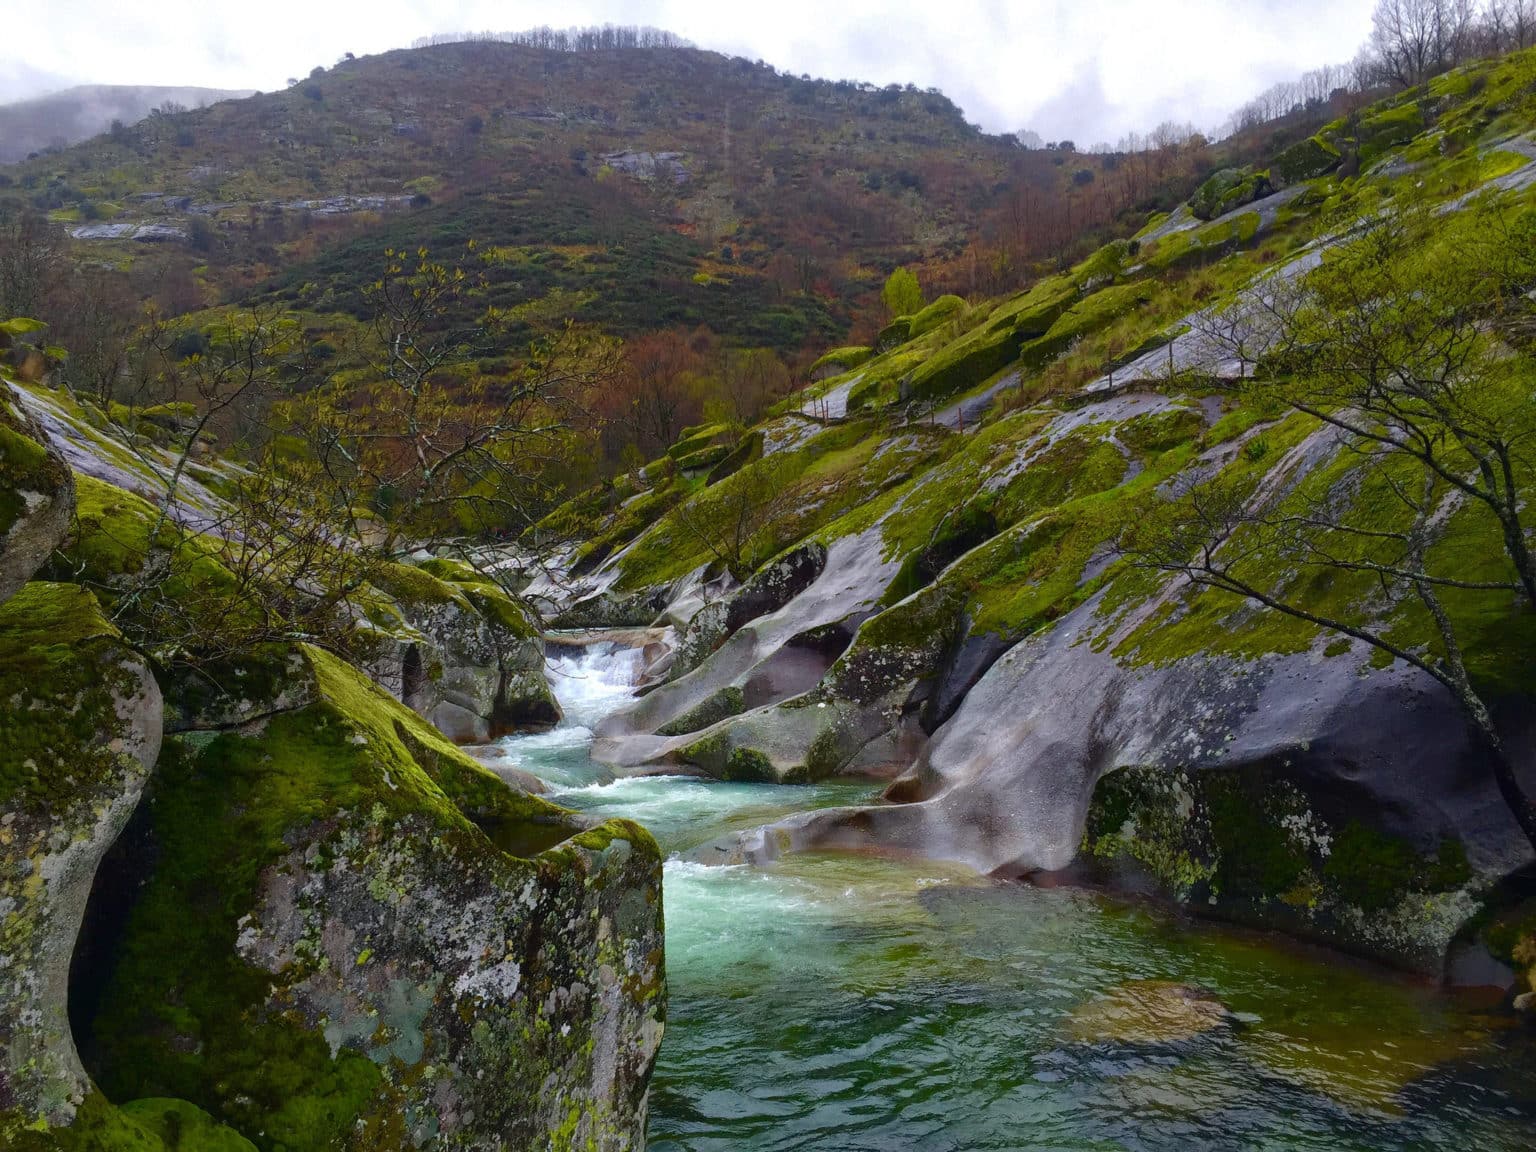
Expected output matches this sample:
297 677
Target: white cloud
1079 69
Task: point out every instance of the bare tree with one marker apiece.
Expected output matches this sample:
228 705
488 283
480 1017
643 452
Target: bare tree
31 257
1411 348
429 445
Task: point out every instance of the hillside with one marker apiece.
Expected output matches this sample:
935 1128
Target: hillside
956 563
59 119
553 598
675 185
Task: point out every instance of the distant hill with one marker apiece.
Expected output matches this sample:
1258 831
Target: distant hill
652 187
60 119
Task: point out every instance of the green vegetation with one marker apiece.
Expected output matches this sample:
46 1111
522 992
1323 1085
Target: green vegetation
182 1015
902 294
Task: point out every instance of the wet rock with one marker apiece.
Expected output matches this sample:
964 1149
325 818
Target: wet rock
469 658
37 496
766 661
1229 189
612 610
1007 785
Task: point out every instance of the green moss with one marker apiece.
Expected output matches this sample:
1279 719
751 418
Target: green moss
894 334
182 1127
100 1127
1147 814
1311 158
704 459
727 702
1227 190
1077 465
1258 855
452 571
60 665
941 311
183 1014
1373 870
1381 131
903 644
749 450
843 359
25 466
844 467
971 526
502 610
1158 432
749 765
991 346
709 753
696 440
1088 316
412 585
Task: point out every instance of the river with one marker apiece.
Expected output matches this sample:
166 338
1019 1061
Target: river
851 1003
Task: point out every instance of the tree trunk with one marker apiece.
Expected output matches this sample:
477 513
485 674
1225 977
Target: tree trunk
1504 774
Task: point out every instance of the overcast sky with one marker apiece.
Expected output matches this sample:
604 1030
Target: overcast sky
1075 69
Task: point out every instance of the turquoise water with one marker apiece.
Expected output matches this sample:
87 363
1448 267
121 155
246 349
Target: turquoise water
851 1003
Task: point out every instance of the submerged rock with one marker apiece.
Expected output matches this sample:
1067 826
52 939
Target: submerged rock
1150 1013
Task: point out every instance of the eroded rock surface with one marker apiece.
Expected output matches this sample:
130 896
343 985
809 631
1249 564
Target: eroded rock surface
80 729
37 496
349 931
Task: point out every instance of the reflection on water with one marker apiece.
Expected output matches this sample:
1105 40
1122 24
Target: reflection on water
851 1003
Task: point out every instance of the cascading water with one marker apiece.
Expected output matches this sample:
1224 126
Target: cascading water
854 1003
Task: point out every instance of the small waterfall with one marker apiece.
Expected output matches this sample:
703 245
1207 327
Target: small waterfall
594 680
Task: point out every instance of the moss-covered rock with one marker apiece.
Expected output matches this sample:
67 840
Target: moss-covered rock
1383 130
1257 844
993 344
840 360
893 335
699 438
37 495
465 655
941 311
80 729
1311 158
351 935
749 449
1228 190
727 702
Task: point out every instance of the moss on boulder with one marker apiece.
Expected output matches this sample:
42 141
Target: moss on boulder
37 494
840 360
328 951
1254 843
893 335
727 702
1311 158
941 311
465 655
80 728
749 449
1228 190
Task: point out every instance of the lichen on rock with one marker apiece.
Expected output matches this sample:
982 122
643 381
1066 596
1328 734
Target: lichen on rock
37 496
354 935
80 728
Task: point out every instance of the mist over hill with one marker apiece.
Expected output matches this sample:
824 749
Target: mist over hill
60 119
